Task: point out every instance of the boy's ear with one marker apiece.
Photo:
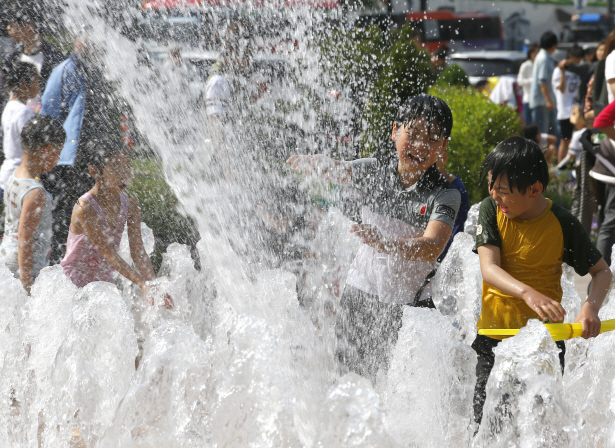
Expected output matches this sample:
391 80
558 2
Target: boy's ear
93 171
536 190
395 131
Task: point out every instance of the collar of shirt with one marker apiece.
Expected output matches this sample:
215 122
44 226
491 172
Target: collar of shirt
428 180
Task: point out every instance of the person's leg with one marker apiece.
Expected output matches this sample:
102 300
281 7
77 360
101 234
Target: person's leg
57 182
553 124
562 353
540 118
366 329
566 129
606 234
483 346
527 114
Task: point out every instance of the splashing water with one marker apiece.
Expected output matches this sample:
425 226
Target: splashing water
247 356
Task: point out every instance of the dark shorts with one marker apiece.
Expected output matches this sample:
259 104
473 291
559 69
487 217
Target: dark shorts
485 359
366 331
566 129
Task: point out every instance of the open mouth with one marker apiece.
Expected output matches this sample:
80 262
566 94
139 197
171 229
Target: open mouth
504 209
123 186
415 159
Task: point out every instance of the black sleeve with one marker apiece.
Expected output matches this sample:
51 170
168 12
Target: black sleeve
487 228
580 69
599 82
579 251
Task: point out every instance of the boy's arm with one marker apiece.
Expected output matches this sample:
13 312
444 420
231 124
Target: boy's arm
543 80
137 251
323 167
493 274
425 248
545 92
31 210
89 220
588 316
52 98
135 241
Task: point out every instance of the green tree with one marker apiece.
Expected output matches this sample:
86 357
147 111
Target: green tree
406 72
478 126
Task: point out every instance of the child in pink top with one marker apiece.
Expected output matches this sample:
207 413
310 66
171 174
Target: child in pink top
98 221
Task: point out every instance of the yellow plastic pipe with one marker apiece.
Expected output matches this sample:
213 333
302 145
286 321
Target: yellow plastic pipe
559 332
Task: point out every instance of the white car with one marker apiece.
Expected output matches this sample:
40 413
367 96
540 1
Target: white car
482 65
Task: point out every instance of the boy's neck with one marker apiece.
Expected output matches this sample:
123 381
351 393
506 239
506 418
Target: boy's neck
32 45
538 207
28 168
409 178
448 176
19 96
102 194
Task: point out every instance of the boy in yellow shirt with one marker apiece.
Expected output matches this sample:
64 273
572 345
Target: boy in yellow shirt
522 239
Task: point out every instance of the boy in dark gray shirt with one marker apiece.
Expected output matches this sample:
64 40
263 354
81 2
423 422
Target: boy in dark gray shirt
408 212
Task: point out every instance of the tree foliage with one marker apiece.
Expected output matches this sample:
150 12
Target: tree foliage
381 70
478 126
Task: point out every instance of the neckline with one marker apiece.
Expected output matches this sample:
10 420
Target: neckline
544 213
104 215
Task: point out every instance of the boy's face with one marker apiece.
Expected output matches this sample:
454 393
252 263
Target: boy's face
510 201
20 31
418 147
33 88
117 173
574 60
50 156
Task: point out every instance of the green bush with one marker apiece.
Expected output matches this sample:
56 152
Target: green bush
453 75
159 208
478 126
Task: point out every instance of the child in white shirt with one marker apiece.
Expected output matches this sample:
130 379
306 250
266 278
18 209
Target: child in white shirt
565 85
22 84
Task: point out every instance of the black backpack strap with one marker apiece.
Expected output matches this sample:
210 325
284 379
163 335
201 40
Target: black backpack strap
417 296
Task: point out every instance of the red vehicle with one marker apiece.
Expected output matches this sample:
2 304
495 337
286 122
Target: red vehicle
461 32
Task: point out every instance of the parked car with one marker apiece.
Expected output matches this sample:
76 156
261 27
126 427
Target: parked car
482 65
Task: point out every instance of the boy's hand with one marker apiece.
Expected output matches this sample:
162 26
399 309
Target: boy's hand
590 321
544 306
314 164
370 235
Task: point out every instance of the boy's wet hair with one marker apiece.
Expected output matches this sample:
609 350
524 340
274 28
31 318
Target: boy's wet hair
100 151
40 132
576 52
548 40
531 48
17 73
433 110
520 160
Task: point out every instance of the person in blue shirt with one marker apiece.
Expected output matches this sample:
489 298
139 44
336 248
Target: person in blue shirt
464 206
542 97
78 96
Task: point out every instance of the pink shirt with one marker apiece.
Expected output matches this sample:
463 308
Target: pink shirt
82 263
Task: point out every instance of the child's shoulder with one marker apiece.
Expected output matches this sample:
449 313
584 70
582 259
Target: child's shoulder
566 219
133 202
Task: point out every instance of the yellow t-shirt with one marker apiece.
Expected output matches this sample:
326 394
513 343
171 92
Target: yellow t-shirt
532 251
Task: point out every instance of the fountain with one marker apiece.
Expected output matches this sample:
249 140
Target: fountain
246 357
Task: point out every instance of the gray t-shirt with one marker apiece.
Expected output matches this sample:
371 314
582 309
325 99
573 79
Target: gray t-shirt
16 190
397 213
